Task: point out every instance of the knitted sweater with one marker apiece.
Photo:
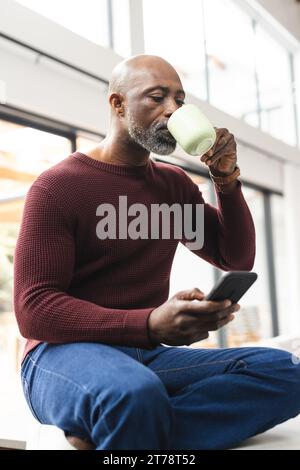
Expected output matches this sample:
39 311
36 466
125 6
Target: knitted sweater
72 286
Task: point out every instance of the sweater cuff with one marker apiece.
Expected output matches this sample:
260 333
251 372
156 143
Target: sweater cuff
136 328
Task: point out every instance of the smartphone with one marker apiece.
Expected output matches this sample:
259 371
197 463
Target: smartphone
232 286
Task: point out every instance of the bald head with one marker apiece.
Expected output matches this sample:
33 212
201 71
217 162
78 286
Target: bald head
140 69
144 91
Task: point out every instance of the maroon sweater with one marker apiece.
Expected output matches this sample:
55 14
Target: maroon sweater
70 286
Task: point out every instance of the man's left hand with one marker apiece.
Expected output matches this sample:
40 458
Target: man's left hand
221 158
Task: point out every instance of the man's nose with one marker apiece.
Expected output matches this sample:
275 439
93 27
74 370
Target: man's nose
171 107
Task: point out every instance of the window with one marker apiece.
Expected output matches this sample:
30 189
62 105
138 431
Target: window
278 208
121 27
230 52
24 153
88 18
174 31
275 88
189 270
254 321
86 142
297 92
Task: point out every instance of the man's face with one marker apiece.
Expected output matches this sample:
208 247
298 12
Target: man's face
149 104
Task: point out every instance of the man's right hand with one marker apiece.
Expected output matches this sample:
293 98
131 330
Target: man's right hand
180 321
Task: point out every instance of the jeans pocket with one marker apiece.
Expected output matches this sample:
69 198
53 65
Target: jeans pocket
27 398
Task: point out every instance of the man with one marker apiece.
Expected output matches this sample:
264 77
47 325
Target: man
101 360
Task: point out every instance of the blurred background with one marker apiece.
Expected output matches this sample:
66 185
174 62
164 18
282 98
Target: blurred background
239 61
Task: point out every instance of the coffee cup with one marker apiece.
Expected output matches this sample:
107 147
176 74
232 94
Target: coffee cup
192 130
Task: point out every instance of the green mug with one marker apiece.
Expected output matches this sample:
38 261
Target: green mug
192 130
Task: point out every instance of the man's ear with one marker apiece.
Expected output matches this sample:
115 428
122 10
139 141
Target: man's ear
116 100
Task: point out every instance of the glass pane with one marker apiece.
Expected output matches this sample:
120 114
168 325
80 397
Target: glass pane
24 154
189 270
297 90
278 208
254 321
174 31
231 66
121 29
84 143
273 70
88 19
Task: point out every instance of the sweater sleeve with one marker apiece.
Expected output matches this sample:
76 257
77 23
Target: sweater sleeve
229 233
43 267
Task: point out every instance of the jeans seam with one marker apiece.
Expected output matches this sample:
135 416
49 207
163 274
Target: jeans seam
28 398
80 387
139 355
196 365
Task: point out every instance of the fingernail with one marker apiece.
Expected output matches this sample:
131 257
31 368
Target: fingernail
227 303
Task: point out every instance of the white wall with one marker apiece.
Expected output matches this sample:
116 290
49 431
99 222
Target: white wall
51 90
286 12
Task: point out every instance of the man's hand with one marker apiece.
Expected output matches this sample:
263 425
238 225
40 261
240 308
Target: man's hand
182 321
221 158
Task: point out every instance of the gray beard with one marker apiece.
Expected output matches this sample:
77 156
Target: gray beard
151 139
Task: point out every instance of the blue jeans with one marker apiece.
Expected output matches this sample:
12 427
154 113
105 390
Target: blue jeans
166 398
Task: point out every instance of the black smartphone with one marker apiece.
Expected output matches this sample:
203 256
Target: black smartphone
232 286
